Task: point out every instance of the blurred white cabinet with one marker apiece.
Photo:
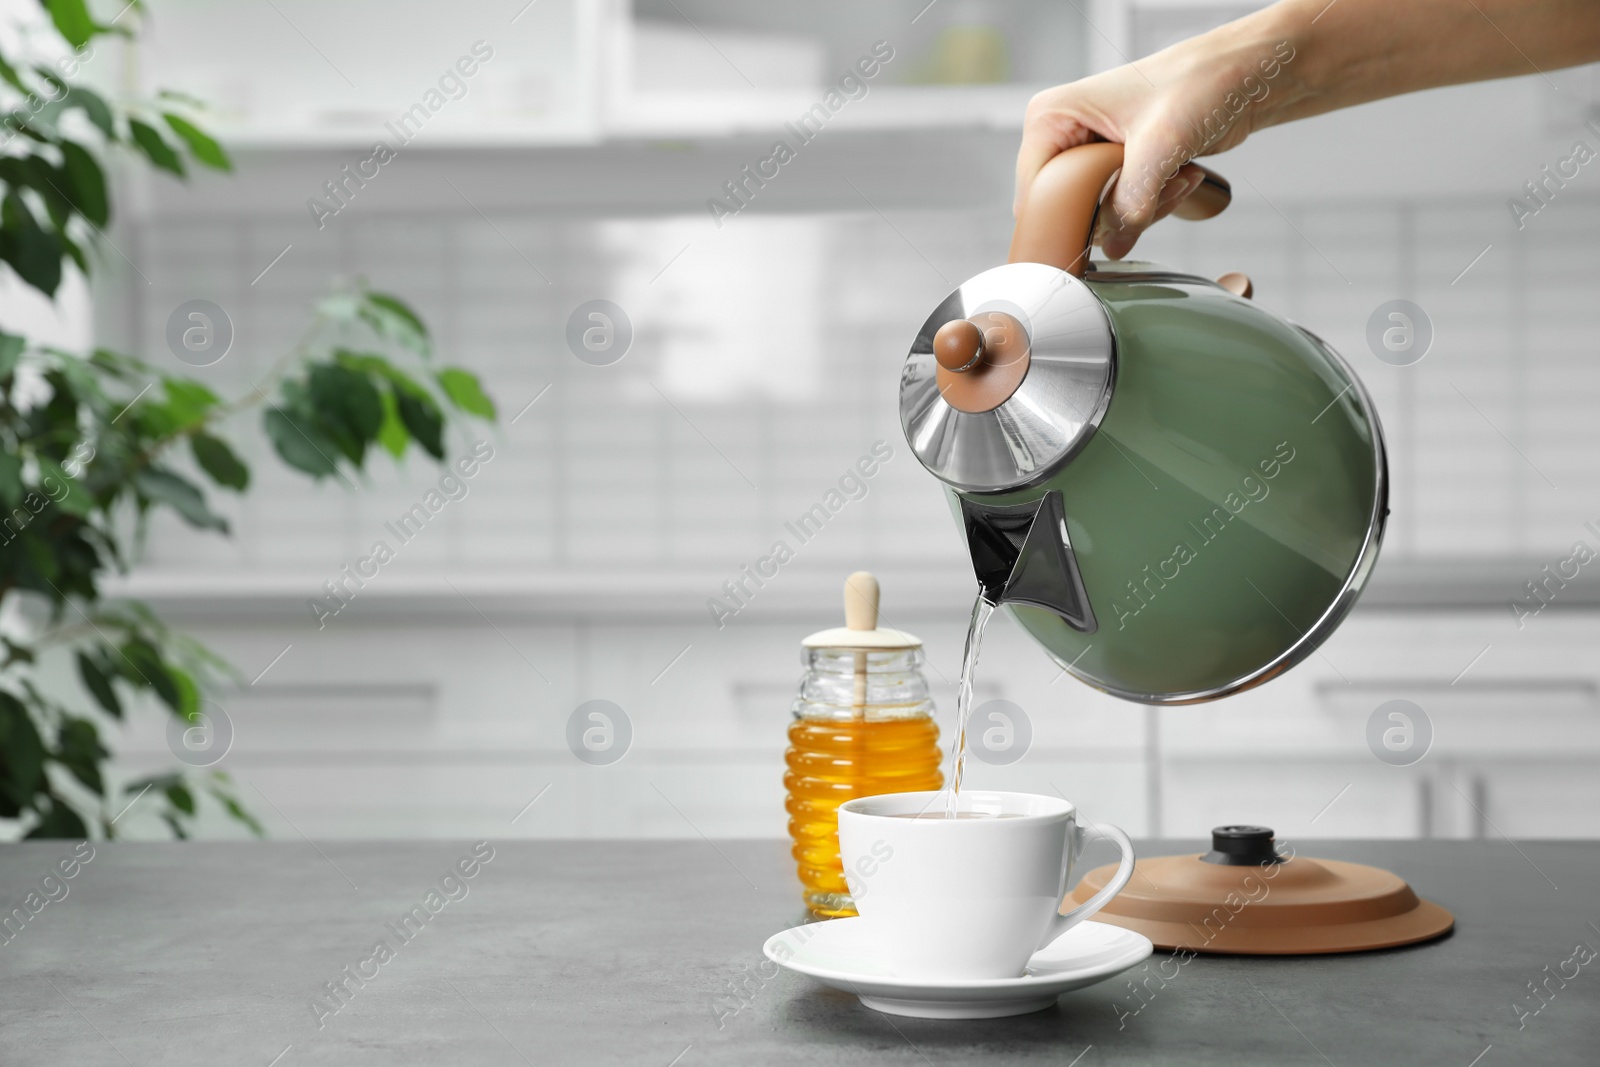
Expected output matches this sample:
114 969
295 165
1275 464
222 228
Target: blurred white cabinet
435 724
1502 735
570 72
448 726
346 74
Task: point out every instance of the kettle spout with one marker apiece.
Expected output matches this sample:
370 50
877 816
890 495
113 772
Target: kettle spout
1021 555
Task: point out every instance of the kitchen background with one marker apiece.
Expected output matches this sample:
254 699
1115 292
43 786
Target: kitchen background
764 359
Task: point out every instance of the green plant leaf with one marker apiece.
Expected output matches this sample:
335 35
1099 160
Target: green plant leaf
142 665
465 392
201 145
72 19
392 433
188 692
425 421
94 107
118 366
300 443
10 479
11 77
11 348
59 821
78 557
86 383
392 317
399 308
219 461
47 119
36 173
86 183
79 750
235 809
372 363
40 568
18 120
54 79
21 751
98 682
54 425
155 148
188 399
185 404
154 781
180 797
12 804
179 494
76 253
34 253
346 398
74 499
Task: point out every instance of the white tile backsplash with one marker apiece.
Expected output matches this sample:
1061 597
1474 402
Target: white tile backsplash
769 353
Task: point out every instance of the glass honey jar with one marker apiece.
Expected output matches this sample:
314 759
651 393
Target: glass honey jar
863 725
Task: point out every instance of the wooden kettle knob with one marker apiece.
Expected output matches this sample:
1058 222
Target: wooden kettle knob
981 360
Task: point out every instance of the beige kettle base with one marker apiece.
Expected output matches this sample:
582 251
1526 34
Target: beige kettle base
1293 906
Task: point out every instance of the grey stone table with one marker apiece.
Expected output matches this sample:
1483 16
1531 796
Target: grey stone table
631 952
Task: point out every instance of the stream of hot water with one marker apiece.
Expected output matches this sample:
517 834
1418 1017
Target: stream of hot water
982 608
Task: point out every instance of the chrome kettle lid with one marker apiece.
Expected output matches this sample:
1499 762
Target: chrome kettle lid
1068 368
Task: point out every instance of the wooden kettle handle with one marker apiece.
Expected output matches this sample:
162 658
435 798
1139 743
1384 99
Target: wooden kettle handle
1057 224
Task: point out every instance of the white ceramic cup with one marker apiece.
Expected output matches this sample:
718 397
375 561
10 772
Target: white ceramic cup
967 898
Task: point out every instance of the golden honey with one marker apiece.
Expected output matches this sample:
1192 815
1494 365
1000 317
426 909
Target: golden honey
831 762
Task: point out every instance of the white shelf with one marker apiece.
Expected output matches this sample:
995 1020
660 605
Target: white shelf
565 596
888 108
315 136
668 117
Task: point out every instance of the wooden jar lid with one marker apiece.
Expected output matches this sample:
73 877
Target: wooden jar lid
860 631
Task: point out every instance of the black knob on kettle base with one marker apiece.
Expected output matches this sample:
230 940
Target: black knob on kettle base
1242 846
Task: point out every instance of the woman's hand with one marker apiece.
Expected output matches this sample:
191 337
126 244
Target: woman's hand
1199 97
1292 60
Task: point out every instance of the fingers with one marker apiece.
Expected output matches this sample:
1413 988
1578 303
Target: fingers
1189 178
1151 161
1156 173
1156 176
1117 241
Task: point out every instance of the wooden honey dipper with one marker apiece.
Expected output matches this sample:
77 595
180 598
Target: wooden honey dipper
861 613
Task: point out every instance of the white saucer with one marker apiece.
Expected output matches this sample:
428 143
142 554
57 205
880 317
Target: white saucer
834 953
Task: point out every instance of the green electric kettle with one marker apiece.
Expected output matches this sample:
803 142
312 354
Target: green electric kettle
1174 491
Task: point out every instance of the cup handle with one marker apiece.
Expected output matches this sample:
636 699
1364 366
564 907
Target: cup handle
1060 924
